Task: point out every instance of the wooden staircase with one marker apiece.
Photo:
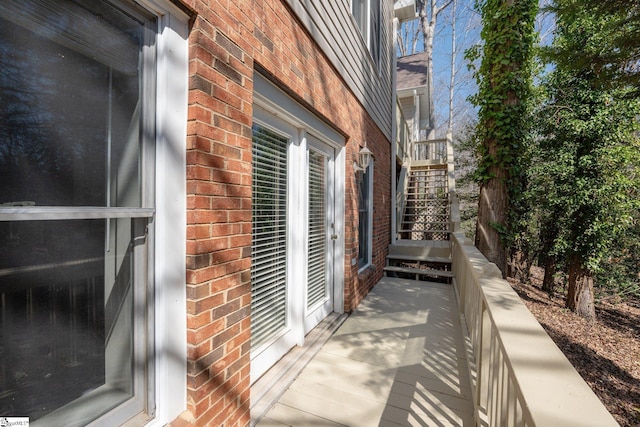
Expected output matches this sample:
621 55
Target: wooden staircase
423 249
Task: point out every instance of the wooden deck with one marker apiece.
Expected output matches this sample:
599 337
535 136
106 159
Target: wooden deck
398 360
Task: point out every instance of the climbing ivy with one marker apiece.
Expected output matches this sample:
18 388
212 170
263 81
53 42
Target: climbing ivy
504 101
504 80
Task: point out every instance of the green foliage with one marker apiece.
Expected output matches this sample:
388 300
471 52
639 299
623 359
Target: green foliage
505 100
587 170
466 159
570 148
504 83
611 49
620 275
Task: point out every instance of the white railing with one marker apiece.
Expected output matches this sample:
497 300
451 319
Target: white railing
433 150
401 196
519 376
403 153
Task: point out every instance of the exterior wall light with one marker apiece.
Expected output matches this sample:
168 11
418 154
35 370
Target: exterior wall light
364 158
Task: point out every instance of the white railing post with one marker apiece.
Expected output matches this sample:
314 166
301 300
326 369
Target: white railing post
488 352
451 182
401 200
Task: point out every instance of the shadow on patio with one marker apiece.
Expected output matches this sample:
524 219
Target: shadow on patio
398 360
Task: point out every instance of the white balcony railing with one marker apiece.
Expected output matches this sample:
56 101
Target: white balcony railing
519 376
433 150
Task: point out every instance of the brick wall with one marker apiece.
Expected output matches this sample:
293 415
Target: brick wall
227 41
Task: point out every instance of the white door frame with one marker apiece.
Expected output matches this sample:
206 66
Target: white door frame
313 315
270 103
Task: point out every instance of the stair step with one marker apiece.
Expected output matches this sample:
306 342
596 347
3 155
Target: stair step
424 227
444 196
425 195
423 189
428 165
402 245
425 231
427 207
421 208
427 214
420 271
417 258
428 183
421 248
430 202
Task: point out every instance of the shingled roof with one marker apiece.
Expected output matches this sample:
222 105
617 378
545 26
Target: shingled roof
412 71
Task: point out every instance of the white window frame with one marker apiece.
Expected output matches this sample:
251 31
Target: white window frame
272 105
365 26
170 311
168 334
167 338
369 225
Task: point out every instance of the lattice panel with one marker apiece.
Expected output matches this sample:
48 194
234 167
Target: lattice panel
427 213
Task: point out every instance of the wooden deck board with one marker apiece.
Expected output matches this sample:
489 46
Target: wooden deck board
397 359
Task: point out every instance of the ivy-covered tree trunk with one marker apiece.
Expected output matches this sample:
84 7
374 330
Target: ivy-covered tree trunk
580 294
504 93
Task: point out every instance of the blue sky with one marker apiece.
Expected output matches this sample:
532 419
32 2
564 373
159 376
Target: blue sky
468 26
467 34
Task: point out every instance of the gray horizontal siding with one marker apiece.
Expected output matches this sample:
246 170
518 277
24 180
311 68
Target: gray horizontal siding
332 27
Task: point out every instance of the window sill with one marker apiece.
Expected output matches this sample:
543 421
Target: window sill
366 270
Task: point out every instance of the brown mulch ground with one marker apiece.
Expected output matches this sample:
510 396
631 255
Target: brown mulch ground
606 352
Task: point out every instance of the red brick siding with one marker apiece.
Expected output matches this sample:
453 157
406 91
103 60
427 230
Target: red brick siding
226 39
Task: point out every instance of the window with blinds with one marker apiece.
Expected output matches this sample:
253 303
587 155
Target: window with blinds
268 236
317 247
364 221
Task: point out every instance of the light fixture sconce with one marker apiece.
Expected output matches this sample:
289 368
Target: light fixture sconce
364 158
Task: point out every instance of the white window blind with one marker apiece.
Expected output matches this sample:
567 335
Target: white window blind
269 235
364 217
317 250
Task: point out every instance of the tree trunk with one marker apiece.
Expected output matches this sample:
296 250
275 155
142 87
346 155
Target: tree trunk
580 298
429 33
453 66
548 283
519 266
492 213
